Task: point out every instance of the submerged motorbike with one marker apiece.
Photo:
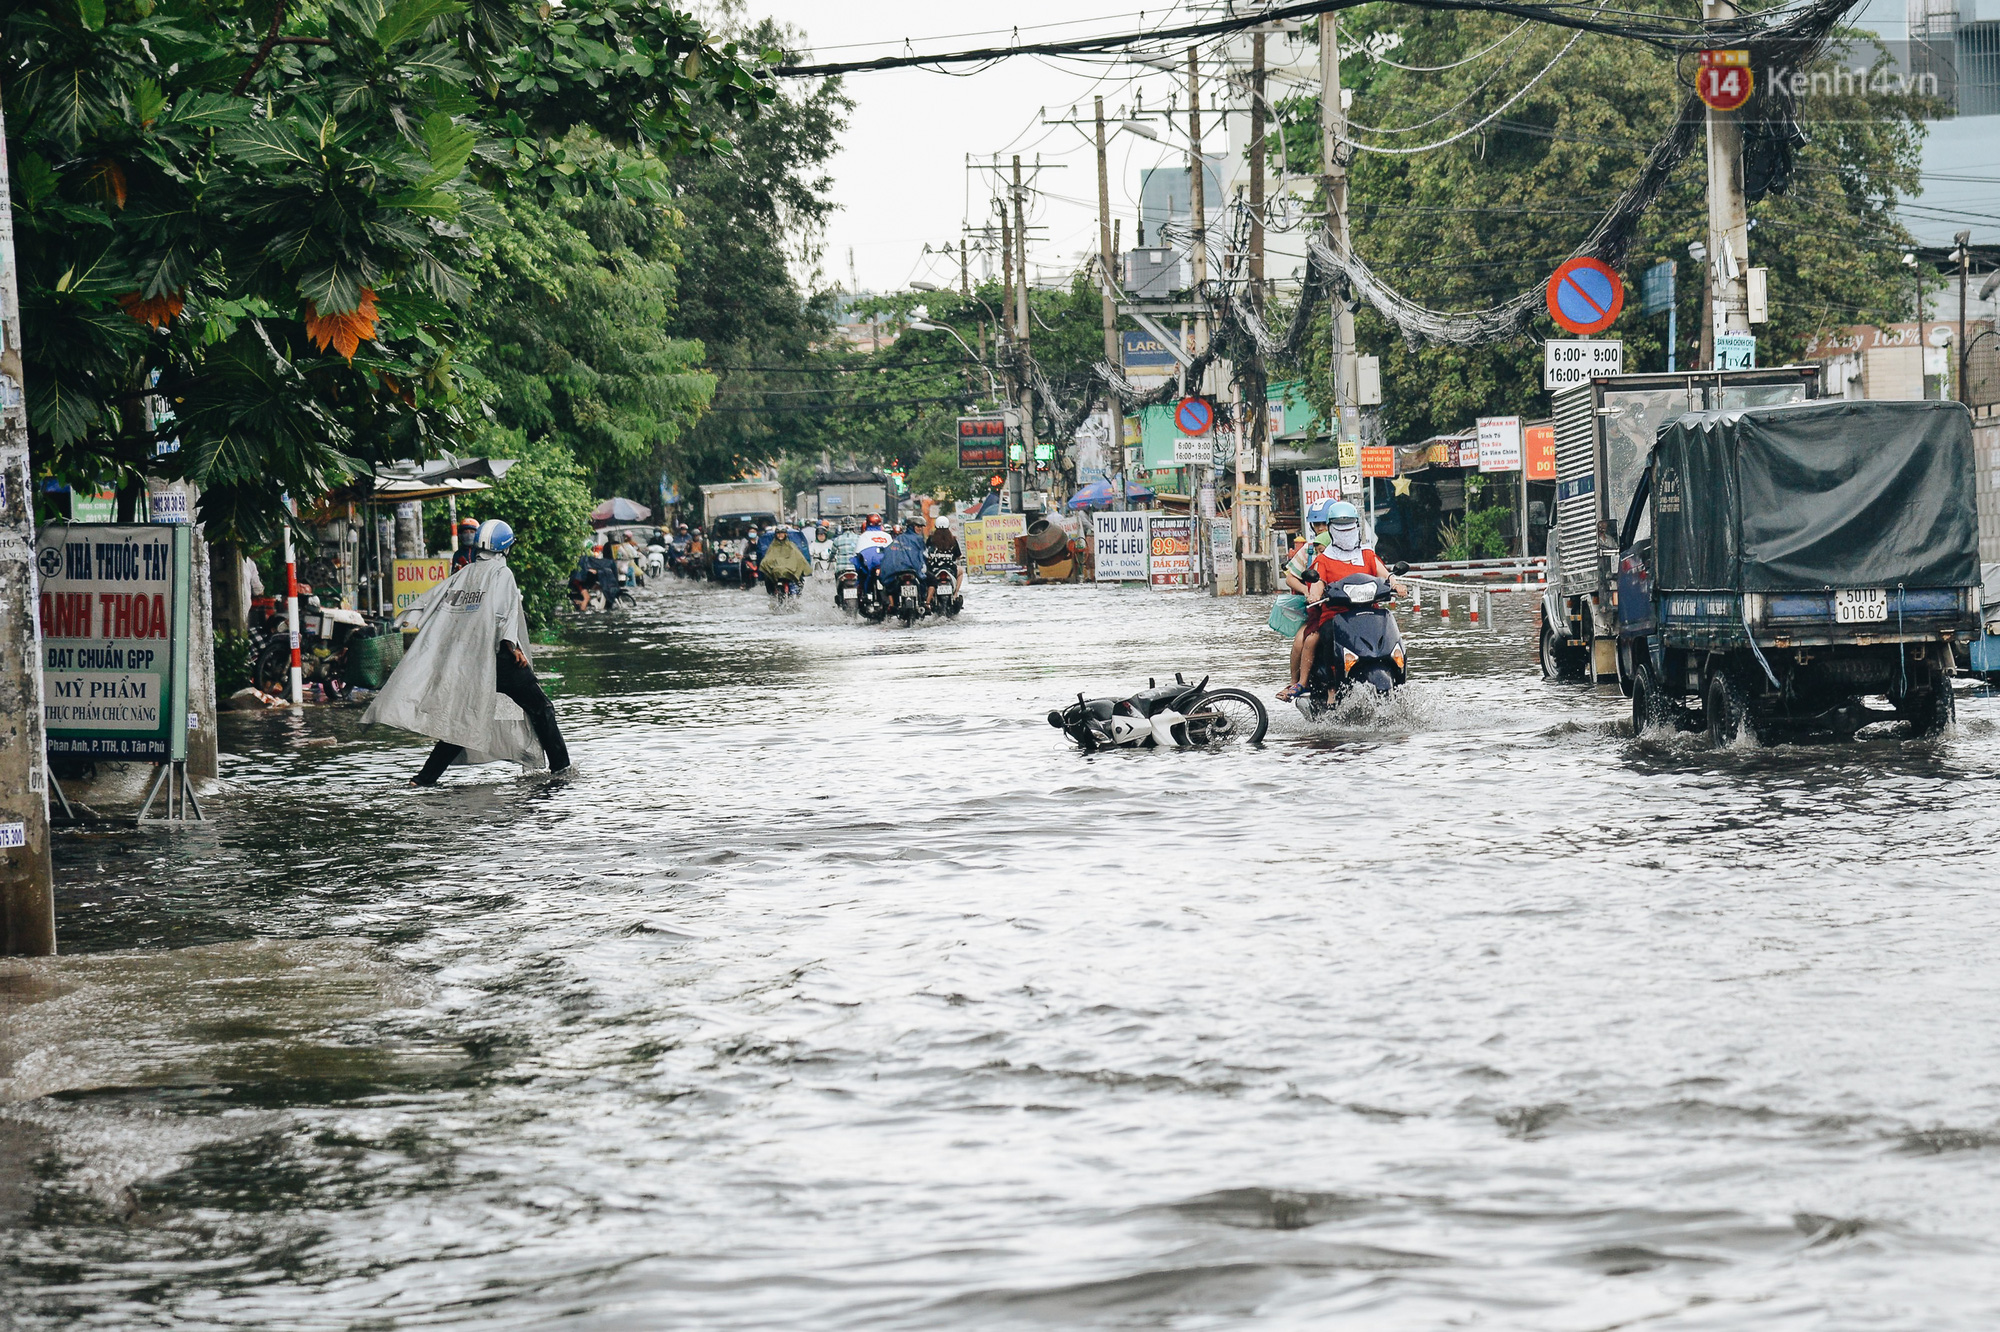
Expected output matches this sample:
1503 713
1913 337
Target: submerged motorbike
1175 716
1359 646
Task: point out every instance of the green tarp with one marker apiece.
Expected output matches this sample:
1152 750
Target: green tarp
1821 494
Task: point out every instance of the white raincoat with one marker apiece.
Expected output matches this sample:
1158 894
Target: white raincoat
444 686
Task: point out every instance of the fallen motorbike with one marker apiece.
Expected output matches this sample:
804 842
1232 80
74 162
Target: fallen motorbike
1359 645
1175 716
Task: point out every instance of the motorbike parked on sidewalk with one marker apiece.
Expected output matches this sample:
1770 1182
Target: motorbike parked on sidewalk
1175 716
1359 646
326 636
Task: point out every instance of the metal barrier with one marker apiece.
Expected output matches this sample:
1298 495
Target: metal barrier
1478 596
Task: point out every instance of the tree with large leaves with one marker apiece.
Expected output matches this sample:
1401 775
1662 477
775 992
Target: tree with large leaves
244 226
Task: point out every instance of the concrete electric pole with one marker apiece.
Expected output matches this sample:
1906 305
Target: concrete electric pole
1728 212
1333 170
1023 317
27 894
1256 518
1106 268
1204 505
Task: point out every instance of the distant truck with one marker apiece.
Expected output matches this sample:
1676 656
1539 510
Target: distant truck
854 494
732 509
1604 431
1779 565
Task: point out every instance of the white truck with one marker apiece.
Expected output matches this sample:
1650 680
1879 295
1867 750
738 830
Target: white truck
737 502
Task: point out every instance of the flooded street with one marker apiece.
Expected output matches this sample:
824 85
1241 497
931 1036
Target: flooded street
838 991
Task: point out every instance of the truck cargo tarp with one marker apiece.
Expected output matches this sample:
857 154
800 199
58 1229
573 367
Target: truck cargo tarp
1822 494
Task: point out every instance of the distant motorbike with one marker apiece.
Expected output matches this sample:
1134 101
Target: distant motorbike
1175 716
656 560
1359 648
325 636
845 584
872 601
947 586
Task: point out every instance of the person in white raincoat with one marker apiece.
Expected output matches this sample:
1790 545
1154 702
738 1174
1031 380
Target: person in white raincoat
466 681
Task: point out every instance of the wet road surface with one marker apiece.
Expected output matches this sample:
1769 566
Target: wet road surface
836 992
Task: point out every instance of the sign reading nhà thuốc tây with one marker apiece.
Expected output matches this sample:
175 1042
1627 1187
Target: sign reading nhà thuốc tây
114 618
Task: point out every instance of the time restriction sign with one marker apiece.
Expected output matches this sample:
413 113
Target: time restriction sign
1724 80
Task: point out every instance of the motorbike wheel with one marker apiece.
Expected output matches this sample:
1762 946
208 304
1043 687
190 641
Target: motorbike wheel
273 671
1228 716
953 606
874 611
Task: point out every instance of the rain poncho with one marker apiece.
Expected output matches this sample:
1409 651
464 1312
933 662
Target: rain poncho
445 686
785 558
904 555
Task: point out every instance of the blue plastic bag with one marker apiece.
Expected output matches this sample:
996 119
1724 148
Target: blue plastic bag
1288 615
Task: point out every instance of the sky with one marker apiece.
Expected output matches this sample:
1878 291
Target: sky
901 176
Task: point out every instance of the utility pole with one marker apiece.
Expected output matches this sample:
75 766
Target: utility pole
1023 317
1964 241
27 891
964 270
1333 171
1728 212
1204 506
1256 381
1105 270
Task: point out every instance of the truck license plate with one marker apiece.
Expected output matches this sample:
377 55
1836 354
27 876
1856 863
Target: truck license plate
1860 605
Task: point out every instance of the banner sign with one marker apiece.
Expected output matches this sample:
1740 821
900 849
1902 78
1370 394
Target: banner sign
1378 460
1171 546
974 532
1120 546
99 508
114 611
1314 486
1541 446
1569 362
416 577
1147 355
1001 529
1222 555
1499 443
982 443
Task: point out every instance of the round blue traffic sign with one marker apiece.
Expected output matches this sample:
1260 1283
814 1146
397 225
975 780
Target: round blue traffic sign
1194 416
1585 296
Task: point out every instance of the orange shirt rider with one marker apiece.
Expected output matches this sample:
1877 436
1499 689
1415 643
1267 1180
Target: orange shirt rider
1329 569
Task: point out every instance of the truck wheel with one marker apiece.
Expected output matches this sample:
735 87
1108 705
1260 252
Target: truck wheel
1726 709
1559 662
1650 708
1931 709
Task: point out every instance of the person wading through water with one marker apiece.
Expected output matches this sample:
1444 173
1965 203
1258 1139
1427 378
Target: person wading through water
466 681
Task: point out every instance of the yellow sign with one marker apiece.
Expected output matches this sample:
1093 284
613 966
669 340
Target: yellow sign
416 577
975 543
1350 453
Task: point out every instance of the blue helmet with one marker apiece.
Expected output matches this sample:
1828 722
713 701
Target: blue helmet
494 536
1321 511
1339 513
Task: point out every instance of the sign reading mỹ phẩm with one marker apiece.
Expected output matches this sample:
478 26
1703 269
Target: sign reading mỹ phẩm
114 618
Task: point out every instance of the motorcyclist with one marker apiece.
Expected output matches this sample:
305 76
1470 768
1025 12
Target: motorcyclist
868 548
1342 557
906 553
942 553
468 529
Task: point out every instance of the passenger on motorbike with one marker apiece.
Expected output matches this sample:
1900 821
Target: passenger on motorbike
869 546
1298 570
943 550
1342 557
468 529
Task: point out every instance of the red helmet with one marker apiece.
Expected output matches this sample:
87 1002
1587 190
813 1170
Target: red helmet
874 519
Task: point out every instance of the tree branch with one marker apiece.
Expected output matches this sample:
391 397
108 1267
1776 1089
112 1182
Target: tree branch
264 50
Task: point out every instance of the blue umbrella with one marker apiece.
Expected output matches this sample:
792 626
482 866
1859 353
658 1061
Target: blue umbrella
1097 495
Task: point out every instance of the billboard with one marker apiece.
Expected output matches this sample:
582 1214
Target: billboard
1145 354
1171 545
114 618
982 442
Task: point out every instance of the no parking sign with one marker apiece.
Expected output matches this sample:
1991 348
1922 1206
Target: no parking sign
1585 296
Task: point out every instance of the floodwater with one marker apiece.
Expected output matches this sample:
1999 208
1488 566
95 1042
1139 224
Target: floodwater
837 992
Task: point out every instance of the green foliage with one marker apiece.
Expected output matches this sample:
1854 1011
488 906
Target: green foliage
233 667
937 474
546 500
572 308
261 250
1470 225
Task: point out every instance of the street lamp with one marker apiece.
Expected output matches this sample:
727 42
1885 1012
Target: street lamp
919 326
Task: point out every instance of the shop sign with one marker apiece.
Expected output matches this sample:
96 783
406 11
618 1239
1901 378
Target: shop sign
975 543
114 612
1540 441
99 508
1171 550
1314 486
1119 546
982 442
1378 460
1499 443
416 577
1001 531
